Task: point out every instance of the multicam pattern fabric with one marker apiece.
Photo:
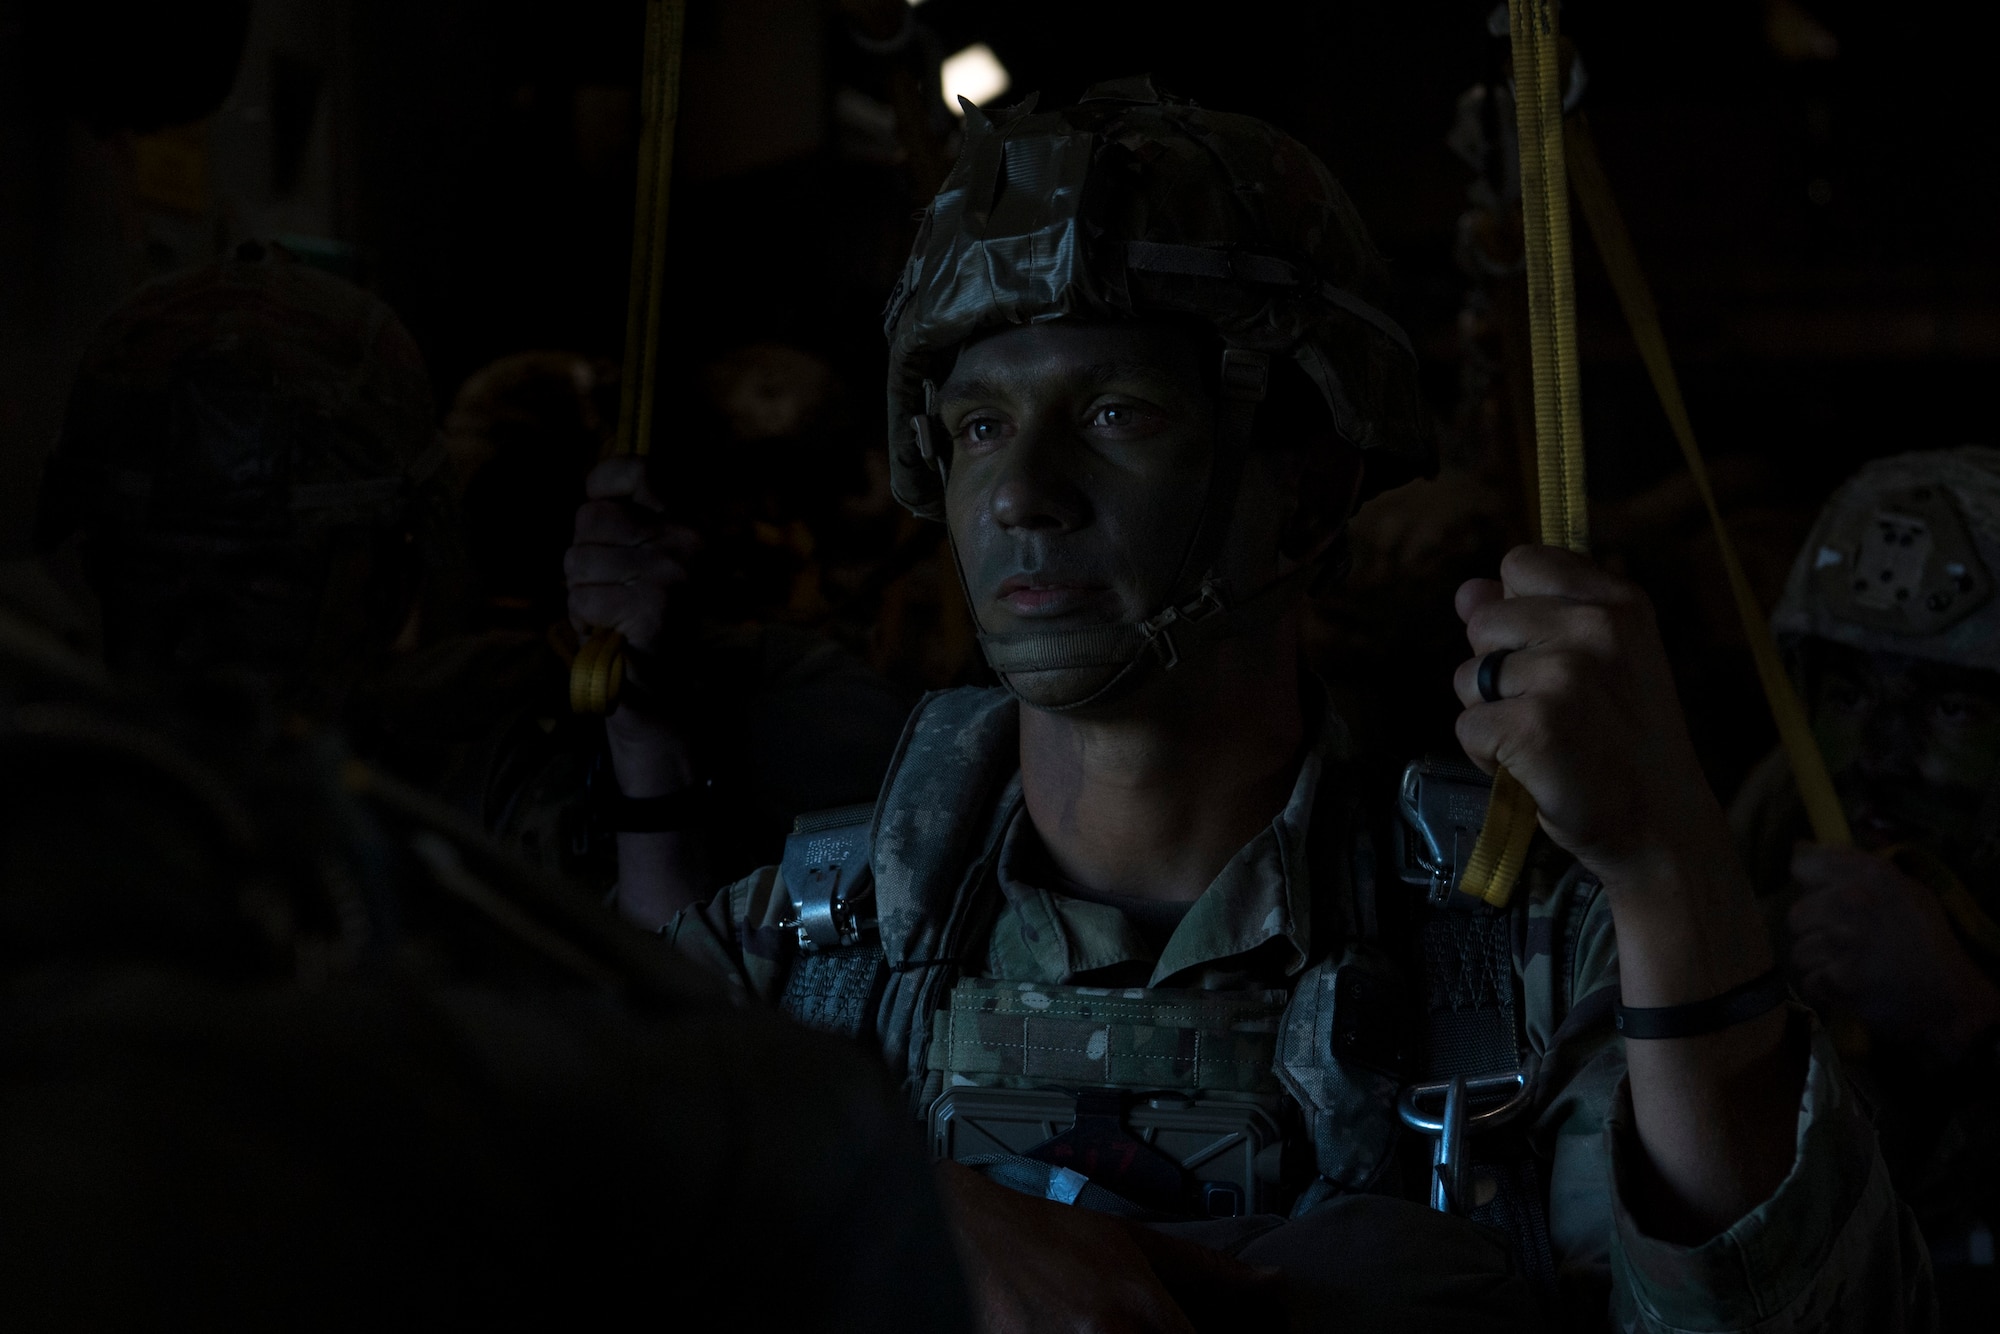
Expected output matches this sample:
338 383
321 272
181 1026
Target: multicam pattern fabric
1039 1035
1132 203
1830 1250
1261 902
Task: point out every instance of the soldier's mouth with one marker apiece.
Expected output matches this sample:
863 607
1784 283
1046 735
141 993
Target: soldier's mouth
1030 595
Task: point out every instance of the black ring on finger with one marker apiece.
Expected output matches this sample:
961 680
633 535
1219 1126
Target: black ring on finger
1489 675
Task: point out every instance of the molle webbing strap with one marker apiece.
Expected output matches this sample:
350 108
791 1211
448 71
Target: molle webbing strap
1028 1034
1635 298
1511 818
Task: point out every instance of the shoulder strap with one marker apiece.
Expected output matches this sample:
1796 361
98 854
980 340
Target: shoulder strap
1469 958
839 971
1472 1028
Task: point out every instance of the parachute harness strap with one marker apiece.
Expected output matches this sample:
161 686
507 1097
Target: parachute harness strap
1502 848
599 668
1551 153
1635 297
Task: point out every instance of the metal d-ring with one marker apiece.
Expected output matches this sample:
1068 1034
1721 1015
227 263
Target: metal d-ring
1455 1120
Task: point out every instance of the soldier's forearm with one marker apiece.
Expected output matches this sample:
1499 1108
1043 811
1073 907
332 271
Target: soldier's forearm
1716 1114
661 872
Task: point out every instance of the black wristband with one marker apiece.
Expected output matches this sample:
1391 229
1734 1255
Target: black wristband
1732 1007
655 815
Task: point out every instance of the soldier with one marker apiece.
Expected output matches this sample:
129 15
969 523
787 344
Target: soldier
1894 634
288 1046
251 464
1119 927
249 459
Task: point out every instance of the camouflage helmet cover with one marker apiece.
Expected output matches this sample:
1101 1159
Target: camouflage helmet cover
1134 204
1901 560
257 399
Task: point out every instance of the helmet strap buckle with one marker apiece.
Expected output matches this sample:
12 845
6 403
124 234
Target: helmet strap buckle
1207 602
926 428
930 432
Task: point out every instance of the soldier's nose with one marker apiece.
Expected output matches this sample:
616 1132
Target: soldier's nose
1034 494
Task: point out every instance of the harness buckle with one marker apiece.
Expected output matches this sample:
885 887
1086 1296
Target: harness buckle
822 917
825 873
1442 804
1464 1107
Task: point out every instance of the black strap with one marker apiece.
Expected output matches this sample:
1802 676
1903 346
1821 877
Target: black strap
1517 1209
1737 1005
835 991
1472 1027
1469 1014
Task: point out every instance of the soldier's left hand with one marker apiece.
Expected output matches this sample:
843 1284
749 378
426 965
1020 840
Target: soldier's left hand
1588 721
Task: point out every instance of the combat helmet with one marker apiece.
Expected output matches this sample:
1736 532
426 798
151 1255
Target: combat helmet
1133 204
236 433
1901 560
254 397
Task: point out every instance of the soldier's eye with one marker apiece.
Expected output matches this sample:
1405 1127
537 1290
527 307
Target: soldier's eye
1117 416
1951 708
981 430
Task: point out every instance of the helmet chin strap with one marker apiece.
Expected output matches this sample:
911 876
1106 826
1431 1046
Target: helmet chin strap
1203 608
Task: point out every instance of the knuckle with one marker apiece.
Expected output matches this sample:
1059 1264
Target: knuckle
1565 673
1598 625
1540 722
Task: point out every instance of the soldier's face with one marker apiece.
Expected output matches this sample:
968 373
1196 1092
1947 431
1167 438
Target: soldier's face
1914 747
1079 460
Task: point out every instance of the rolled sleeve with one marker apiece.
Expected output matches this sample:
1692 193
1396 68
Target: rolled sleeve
1832 1249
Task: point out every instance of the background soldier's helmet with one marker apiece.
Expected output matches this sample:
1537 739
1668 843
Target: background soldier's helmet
1901 560
250 456
257 398
1131 204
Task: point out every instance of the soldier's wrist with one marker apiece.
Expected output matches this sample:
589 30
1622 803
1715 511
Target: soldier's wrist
1687 930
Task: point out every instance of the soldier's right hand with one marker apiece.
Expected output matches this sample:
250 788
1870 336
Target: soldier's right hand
1872 941
627 565
1034 1265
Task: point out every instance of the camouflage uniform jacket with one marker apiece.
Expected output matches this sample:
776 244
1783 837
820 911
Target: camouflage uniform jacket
1939 1126
955 893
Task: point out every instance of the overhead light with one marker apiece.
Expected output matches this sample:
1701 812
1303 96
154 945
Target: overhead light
974 74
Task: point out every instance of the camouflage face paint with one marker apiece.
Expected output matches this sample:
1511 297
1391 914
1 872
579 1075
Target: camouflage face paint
1080 456
1914 747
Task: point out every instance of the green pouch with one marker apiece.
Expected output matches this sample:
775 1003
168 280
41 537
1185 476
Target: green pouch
1036 1035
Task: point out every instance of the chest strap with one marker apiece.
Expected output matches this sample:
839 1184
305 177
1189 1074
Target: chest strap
840 972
